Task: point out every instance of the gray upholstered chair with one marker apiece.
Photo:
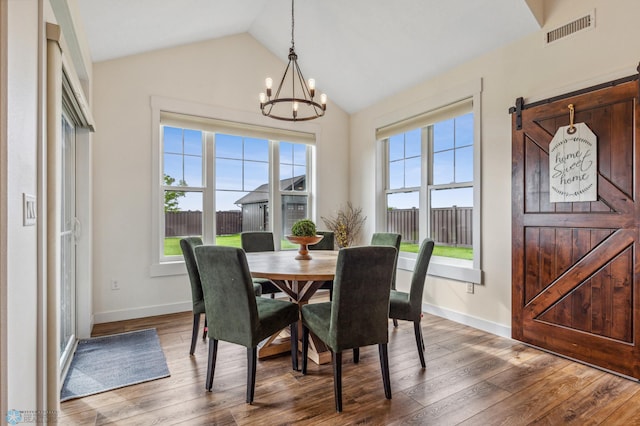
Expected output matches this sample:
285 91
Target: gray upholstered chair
326 243
188 245
234 314
255 241
408 306
358 315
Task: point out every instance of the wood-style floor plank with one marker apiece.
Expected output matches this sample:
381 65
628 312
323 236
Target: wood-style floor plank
472 378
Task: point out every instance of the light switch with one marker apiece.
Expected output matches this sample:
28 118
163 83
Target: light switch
29 210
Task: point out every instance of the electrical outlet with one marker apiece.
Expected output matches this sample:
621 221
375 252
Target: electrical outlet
115 285
470 288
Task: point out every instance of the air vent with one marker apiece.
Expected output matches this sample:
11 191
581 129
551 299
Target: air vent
579 24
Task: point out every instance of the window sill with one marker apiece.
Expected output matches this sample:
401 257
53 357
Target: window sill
445 267
165 269
455 269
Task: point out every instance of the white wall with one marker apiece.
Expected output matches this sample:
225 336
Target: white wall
525 68
22 125
227 72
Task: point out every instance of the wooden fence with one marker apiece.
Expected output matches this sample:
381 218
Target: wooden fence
449 226
181 224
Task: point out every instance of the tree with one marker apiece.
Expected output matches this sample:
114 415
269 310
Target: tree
172 198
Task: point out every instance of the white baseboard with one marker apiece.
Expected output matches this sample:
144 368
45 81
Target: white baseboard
149 311
146 311
480 324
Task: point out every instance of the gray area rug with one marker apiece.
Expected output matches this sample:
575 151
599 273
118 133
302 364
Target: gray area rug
110 362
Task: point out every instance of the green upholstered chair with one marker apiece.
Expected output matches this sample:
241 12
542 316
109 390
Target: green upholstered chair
326 243
255 241
387 239
358 315
408 306
188 245
234 314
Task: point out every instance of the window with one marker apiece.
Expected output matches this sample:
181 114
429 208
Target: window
242 186
450 186
430 183
293 187
218 178
404 154
183 185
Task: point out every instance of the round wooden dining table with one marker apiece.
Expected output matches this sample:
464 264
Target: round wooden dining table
299 279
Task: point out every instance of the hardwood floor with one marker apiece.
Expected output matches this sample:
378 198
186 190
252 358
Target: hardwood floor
472 378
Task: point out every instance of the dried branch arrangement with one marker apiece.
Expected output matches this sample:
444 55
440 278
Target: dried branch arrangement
346 225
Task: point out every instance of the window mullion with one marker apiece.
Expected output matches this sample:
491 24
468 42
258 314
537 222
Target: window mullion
275 198
208 198
426 144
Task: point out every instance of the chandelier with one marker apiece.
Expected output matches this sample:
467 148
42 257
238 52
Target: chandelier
292 108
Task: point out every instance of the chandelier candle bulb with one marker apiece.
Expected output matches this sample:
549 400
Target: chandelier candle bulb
323 100
263 98
312 87
268 83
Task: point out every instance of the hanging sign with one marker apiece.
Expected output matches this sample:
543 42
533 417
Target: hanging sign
573 164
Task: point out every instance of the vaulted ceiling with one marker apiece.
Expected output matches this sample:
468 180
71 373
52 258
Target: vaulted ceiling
359 51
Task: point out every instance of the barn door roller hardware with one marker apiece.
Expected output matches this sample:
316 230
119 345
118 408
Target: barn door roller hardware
520 105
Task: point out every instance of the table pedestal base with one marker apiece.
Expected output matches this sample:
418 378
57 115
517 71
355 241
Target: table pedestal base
275 345
280 343
300 292
318 352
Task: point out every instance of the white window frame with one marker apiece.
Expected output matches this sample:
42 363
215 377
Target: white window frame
276 194
248 124
456 269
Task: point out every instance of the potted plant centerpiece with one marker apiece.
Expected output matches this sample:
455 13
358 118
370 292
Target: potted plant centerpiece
303 232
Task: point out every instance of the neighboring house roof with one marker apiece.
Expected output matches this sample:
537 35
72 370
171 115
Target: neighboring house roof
261 193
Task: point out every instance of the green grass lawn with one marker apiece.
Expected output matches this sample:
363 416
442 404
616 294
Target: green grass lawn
172 247
445 251
172 244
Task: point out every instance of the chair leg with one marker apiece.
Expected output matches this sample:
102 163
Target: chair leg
194 333
356 355
330 293
384 365
305 348
211 364
419 342
294 345
337 380
395 322
252 358
205 329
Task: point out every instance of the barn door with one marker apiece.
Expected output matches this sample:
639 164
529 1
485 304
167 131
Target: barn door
576 265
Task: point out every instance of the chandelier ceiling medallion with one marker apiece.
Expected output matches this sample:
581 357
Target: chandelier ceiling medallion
286 106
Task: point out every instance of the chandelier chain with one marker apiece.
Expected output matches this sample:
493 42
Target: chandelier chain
293 43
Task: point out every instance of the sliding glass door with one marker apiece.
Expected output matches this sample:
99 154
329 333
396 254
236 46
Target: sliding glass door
68 230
